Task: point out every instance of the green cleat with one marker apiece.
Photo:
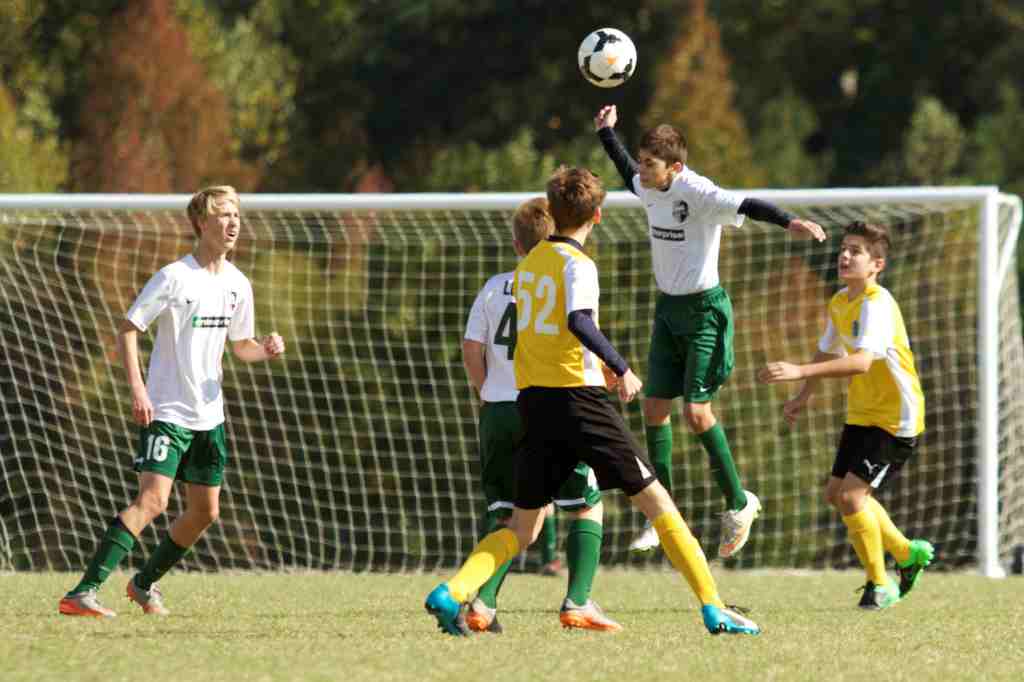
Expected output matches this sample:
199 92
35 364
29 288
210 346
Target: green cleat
921 555
878 597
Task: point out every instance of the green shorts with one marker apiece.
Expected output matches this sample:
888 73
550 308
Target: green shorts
691 346
183 454
501 432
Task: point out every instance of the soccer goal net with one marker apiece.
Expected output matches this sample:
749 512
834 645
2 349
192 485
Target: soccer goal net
358 449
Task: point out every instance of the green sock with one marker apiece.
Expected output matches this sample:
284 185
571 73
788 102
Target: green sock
117 542
659 449
166 555
548 539
723 468
488 592
583 552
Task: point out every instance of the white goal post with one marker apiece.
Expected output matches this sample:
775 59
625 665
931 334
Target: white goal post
321 505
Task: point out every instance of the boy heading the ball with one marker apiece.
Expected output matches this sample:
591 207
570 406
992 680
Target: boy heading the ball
691 352
567 418
198 303
866 341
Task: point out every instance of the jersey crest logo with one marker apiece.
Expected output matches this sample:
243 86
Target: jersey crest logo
681 211
856 328
234 300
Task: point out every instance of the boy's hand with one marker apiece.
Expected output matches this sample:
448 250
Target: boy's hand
629 386
775 372
806 228
611 379
792 409
606 117
273 345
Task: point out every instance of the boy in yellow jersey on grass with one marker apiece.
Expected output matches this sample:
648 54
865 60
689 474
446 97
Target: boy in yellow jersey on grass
487 350
691 352
865 339
567 417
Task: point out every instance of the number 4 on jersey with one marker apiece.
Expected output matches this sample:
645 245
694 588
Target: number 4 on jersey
505 335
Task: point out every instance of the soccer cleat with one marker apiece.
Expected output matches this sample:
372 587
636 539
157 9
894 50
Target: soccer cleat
878 597
921 555
84 604
736 526
151 600
482 618
727 621
448 612
586 617
552 568
646 541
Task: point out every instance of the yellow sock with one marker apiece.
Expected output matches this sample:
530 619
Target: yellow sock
866 538
490 553
685 553
895 542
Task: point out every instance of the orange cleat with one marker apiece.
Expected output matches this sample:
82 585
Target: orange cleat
84 604
586 617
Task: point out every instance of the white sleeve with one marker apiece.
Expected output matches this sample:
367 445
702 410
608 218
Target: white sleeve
153 300
829 341
719 206
582 290
876 329
476 325
243 322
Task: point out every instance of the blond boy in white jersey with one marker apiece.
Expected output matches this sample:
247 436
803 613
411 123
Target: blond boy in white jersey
691 352
866 340
198 303
487 351
559 360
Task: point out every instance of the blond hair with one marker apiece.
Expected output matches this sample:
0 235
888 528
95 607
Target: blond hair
532 223
574 196
202 203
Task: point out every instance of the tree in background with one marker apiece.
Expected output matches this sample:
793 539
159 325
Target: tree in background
693 92
28 163
152 121
993 155
932 144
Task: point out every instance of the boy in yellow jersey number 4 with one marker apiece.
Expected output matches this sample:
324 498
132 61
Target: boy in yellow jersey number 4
865 339
691 353
567 417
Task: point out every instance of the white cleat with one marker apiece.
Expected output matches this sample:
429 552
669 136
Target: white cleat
736 526
646 541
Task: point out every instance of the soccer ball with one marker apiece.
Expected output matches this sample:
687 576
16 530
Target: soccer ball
607 57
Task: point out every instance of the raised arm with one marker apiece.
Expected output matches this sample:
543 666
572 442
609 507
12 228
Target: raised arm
767 212
604 123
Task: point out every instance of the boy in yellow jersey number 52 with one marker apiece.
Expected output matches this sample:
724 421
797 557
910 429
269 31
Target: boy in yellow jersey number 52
567 417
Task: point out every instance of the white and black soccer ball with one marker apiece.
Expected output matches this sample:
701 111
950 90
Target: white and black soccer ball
607 57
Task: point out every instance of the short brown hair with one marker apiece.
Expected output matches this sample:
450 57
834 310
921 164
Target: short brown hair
532 223
877 237
666 143
574 196
202 202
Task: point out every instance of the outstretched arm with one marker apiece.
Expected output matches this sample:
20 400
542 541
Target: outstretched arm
822 366
770 213
604 123
252 350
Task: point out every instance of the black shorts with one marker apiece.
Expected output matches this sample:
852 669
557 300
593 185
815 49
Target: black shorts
565 426
872 454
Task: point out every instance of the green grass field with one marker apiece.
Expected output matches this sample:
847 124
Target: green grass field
355 627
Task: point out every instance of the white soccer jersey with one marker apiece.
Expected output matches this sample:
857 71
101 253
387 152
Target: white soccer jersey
685 223
195 312
492 322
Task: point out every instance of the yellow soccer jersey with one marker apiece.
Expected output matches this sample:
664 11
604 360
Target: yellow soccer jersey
889 394
555 279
